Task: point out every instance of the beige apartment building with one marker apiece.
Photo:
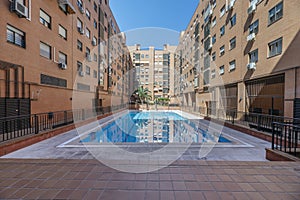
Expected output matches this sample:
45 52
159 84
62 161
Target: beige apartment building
50 55
241 56
154 69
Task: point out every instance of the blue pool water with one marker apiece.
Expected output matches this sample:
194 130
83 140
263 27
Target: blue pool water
153 127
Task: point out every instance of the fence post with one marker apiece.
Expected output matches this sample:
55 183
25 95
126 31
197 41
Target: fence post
273 135
233 114
36 122
258 122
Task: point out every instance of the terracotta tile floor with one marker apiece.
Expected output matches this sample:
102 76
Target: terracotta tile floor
89 179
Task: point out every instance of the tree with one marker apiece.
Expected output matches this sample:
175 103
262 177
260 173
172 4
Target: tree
143 95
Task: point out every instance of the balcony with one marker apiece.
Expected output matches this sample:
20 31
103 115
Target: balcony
66 6
252 7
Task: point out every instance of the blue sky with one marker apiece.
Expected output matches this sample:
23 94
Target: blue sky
168 16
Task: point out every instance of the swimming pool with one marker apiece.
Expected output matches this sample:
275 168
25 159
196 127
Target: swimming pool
153 127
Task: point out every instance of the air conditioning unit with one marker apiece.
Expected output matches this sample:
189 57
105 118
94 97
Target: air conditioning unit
252 8
88 57
81 9
210 12
19 8
251 66
81 73
62 66
251 37
81 30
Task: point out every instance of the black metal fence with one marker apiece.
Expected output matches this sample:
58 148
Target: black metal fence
285 137
18 126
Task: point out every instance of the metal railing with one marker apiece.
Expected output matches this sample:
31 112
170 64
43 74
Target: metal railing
19 126
285 138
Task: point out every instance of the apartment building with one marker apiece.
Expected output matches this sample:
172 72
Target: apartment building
243 58
49 57
154 69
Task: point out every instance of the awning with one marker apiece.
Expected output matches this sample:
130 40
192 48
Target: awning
69 7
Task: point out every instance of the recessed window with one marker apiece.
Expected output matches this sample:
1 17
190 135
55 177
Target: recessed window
79 66
95 7
232 65
233 20
275 47
95 74
45 19
213 74
87 51
253 28
222 50
88 70
276 13
94 41
88 33
222 30
88 14
62 32
214 39
45 50
221 70
213 56
79 4
79 45
214 22
222 11
15 36
253 56
62 58
95 57
95 24
79 24
232 43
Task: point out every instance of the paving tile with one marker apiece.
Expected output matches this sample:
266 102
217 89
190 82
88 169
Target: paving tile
152 185
179 185
150 195
165 185
93 194
211 195
226 196
167 195
63 194
78 194
48 194
181 195
196 195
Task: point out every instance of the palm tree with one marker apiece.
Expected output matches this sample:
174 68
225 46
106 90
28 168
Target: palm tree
143 95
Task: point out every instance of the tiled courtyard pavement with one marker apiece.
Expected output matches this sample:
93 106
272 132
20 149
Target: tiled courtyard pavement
89 179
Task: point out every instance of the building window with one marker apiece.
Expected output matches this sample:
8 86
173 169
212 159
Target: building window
232 65
222 30
222 50
213 74
79 66
213 56
45 50
88 33
62 32
95 24
62 58
214 39
275 47
95 57
276 13
233 20
214 22
221 70
94 41
95 74
88 70
79 45
88 14
87 51
253 56
15 36
253 28
79 4
233 43
95 7
79 24
222 11
45 19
